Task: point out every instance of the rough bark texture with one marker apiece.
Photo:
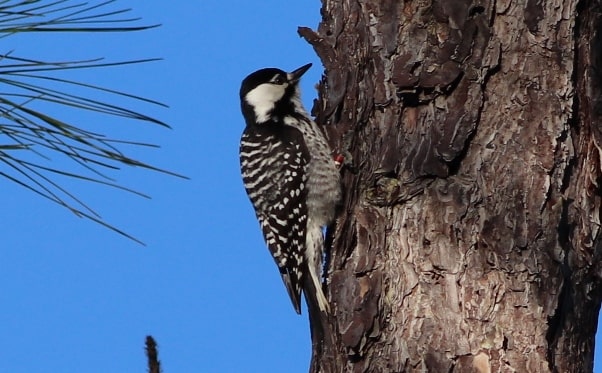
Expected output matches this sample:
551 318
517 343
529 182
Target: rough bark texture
469 237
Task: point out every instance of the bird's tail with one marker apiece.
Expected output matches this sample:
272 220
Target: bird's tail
317 304
318 316
314 254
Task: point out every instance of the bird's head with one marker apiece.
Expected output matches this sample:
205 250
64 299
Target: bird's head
269 93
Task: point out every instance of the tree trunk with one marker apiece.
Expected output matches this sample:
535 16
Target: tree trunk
469 236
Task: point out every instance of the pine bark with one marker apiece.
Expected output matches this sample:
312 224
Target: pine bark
469 235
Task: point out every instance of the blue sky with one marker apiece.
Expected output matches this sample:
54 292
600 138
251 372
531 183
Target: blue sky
77 297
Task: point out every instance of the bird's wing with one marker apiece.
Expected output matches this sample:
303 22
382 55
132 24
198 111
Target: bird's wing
274 173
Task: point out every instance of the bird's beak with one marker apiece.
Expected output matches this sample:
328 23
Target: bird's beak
295 75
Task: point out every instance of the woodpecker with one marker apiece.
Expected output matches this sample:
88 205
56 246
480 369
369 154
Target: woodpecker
290 178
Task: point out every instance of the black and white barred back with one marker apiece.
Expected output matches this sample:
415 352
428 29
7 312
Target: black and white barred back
290 177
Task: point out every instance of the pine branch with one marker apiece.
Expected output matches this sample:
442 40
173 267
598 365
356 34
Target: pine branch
27 133
154 365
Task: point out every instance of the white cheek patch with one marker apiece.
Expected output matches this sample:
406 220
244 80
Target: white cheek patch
263 98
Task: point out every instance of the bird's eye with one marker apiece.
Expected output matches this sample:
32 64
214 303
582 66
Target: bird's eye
278 80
